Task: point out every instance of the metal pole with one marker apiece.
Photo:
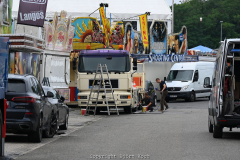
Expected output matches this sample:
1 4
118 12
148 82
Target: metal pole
221 31
172 16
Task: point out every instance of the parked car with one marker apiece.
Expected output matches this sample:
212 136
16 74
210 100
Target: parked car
185 80
29 110
62 109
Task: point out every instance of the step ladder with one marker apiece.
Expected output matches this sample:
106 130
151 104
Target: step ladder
96 87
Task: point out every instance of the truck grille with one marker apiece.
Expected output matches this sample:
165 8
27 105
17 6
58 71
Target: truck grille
114 83
174 88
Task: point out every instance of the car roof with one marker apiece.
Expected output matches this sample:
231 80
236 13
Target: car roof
47 87
189 65
19 76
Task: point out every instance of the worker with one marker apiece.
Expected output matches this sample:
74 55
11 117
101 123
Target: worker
164 93
148 101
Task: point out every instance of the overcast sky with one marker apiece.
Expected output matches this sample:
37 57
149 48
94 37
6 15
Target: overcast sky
169 2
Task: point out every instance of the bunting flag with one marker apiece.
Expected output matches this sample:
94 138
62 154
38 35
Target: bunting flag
144 30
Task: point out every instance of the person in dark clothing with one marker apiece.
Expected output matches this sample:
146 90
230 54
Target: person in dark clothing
148 101
164 93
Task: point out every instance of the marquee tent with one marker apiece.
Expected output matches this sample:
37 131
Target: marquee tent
124 10
119 9
203 50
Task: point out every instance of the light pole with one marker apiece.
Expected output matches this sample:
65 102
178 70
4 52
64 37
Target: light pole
221 31
201 28
172 16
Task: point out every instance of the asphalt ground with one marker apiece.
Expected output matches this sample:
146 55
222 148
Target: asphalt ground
179 133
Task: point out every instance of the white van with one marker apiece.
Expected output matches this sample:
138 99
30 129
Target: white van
186 80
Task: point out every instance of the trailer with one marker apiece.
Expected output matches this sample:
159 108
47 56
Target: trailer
4 54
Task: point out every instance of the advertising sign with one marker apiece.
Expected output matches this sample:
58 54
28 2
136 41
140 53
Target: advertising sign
6 16
144 30
102 12
177 42
59 34
158 37
133 40
87 32
32 12
24 63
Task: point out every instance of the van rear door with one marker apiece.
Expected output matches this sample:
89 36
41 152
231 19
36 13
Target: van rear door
220 82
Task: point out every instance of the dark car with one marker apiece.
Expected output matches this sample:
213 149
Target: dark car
62 109
29 110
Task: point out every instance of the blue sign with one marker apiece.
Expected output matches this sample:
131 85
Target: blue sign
167 57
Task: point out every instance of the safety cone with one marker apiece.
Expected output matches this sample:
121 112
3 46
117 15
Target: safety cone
134 84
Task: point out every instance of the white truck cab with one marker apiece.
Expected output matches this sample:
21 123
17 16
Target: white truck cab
186 80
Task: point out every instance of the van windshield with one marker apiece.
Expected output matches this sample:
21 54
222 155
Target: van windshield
180 75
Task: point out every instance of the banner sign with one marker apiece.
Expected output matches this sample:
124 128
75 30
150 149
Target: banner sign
158 37
166 58
144 30
32 12
133 40
177 42
102 12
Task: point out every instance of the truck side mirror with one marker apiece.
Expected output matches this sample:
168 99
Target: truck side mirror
165 78
135 64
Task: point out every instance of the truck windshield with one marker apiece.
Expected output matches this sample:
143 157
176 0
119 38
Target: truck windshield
180 75
115 64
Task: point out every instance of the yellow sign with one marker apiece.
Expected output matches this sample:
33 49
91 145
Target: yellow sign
102 12
144 30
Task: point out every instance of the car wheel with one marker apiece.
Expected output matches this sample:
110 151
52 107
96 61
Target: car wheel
155 101
37 135
65 126
192 97
217 131
167 100
52 128
210 126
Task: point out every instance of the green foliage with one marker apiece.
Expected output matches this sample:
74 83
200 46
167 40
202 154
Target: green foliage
208 32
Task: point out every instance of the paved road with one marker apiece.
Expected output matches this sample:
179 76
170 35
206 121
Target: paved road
179 133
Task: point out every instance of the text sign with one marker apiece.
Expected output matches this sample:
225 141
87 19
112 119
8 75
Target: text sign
32 12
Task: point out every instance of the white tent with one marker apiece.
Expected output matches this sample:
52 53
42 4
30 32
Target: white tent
122 9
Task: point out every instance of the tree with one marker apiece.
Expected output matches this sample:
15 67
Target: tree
207 32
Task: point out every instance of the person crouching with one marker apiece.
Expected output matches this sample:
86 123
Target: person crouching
148 101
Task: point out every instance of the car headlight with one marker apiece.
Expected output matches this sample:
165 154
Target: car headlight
185 88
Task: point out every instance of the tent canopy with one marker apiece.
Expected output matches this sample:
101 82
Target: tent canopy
202 49
119 9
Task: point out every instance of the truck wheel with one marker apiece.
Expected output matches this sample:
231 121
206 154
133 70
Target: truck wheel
37 135
210 126
217 131
128 110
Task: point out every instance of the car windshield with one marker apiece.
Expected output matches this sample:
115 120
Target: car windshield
51 90
115 64
17 86
180 75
